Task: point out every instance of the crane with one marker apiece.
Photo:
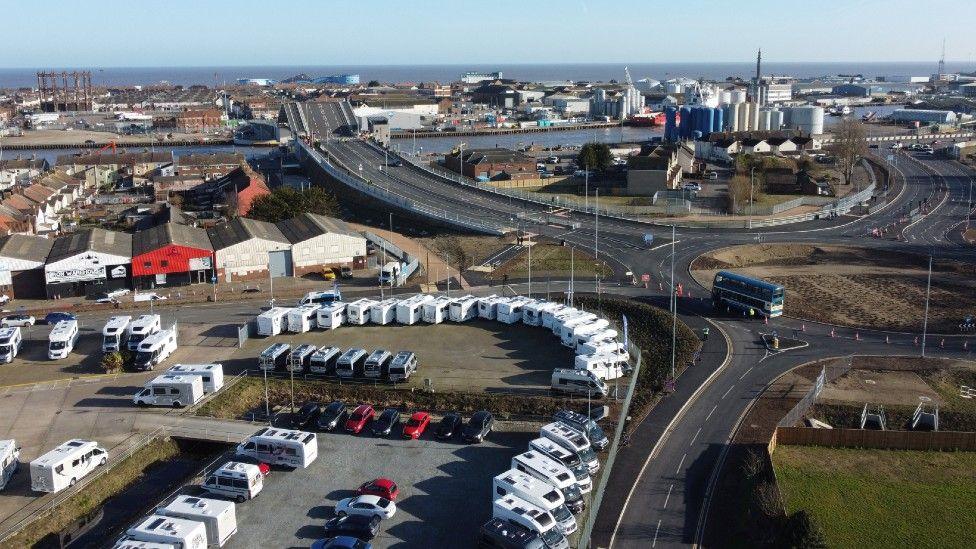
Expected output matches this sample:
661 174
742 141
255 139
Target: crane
109 145
627 78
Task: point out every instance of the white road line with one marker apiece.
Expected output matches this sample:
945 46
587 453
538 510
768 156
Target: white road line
668 498
694 438
680 463
712 412
729 391
654 543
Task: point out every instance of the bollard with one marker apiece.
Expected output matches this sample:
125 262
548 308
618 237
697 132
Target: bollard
916 341
803 327
942 343
831 332
857 336
887 340
765 320
660 286
965 345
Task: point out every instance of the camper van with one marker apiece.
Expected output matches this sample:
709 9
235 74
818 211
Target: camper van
390 274
301 358
115 333
218 516
464 309
510 311
505 534
11 341
235 480
383 312
273 321
324 360
65 465
9 461
276 446
171 390
605 367
212 375
567 458
521 512
404 364
436 311
142 327
566 324
351 363
606 335
488 307
551 316
553 472
570 330
357 312
327 297
178 532
538 493
410 311
274 357
331 316
155 349
62 339
302 319
532 313
377 364
610 347
572 440
578 382
125 542
584 424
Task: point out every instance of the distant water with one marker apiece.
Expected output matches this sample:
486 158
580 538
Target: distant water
118 76
51 155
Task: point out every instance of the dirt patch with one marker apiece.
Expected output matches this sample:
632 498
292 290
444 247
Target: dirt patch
860 386
550 260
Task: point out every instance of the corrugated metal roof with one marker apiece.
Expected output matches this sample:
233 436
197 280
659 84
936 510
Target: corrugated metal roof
170 233
242 229
29 247
91 240
308 225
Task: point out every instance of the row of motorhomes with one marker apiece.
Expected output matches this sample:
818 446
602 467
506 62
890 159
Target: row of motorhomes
143 335
534 502
332 361
182 385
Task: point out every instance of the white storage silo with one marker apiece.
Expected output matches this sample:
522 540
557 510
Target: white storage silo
737 97
744 117
754 116
808 119
732 117
763 120
725 97
775 119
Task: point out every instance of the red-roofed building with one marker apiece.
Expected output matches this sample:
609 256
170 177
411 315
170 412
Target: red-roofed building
171 254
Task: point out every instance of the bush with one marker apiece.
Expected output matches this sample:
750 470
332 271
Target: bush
113 363
799 531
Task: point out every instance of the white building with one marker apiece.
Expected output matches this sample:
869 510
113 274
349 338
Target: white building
246 249
475 77
88 261
319 242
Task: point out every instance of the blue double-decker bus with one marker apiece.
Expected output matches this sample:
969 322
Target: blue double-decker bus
735 291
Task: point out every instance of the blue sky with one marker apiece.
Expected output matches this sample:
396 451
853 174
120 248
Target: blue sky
304 32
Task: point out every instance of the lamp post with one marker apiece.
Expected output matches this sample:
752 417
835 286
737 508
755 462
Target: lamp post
752 172
928 292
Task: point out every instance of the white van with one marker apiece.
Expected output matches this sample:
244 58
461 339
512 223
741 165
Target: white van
171 390
238 481
510 311
301 358
142 327
274 357
537 492
9 461
11 341
377 364
586 425
436 311
383 312
519 511
532 312
605 367
410 311
327 297
568 459
577 382
550 317
155 349
302 319
603 336
582 332
357 312
62 339
324 360
404 364
65 465
556 474
390 274
464 309
572 317
218 516
281 447
568 325
115 333
609 347
351 363
180 533
488 307
331 316
572 440
273 321
212 375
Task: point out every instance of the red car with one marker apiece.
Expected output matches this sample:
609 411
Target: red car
381 487
359 418
416 425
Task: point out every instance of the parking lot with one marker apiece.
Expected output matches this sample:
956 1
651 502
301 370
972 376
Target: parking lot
445 490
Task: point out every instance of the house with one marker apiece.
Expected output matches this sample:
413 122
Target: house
804 144
108 168
87 262
18 171
319 242
754 145
171 254
781 145
247 249
781 180
208 166
717 148
655 168
22 260
488 164
237 190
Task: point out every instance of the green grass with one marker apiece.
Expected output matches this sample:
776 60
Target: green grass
882 498
552 260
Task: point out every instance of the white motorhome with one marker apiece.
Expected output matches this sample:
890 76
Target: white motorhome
155 349
331 316
62 339
301 358
436 311
115 333
212 375
9 461
605 367
180 533
383 312
578 382
327 297
571 330
510 310
556 474
142 327
281 447
551 317
605 336
404 364
302 319
537 492
65 465
410 311
125 542
572 440
519 511
463 309
217 515
11 340
357 312
488 306
532 313
563 327
377 364
609 347
324 360
239 481
568 459
390 273
171 390
351 363
274 357
273 321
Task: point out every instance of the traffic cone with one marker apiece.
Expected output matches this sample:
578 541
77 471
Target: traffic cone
857 336
831 332
803 327
887 340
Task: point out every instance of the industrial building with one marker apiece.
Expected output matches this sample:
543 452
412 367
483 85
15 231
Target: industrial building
247 249
22 260
924 116
616 104
655 168
489 164
319 242
476 77
171 254
87 262
341 79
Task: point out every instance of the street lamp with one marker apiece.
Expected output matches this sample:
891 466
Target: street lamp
752 172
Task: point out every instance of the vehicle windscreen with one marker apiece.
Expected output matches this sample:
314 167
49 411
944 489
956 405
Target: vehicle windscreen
411 423
594 432
4 349
144 357
356 417
58 345
551 537
111 339
588 454
562 513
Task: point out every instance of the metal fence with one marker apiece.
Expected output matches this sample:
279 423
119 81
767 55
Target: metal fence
806 402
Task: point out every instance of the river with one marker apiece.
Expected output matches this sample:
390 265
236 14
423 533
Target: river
52 154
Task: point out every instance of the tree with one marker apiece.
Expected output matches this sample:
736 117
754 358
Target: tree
850 144
112 363
287 202
594 156
799 531
450 247
373 84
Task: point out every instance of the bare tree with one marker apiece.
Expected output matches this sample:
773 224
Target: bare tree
850 144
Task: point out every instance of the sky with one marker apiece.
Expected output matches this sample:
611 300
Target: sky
389 32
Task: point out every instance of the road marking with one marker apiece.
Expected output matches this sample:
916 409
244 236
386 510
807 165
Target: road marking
712 412
729 391
668 498
654 543
694 438
680 463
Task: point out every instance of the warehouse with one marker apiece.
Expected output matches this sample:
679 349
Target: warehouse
319 242
171 254
88 262
924 116
245 249
22 260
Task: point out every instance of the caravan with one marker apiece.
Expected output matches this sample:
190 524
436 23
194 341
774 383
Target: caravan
510 311
578 382
404 364
390 274
383 312
488 307
568 459
551 316
142 327
537 492
273 321
9 461
323 360
572 440
567 323
276 446
176 532
519 511
65 465
351 363
239 481
302 319
548 470
62 339
532 313
571 329
604 367
171 390
155 349
331 316
608 347
219 517
463 309
212 375
357 312
274 357
115 333
605 336
301 358
377 365
436 311
327 297
410 311
11 341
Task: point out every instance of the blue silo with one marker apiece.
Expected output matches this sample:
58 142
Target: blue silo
685 127
704 120
670 124
718 123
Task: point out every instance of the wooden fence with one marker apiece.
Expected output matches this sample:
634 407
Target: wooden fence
860 438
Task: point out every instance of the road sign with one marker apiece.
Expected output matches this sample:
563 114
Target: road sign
645 277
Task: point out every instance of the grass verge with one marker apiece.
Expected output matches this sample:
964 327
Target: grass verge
552 260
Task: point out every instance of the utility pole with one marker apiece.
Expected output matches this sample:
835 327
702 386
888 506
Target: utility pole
928 292
596 243
752 173
392 280
572 273
586 187
674 309
529 245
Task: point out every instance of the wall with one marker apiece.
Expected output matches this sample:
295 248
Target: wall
327 249
893 440
246 260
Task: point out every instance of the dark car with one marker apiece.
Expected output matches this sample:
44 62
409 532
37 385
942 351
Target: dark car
55 317
306 415
341 542
448 426
385 423
363 527
478 426
332 416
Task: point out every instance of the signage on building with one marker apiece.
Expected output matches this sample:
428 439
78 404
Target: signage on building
200 263
117 272
75 275
5 279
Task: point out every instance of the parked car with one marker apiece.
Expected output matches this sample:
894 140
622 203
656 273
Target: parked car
262 466
110 297
332 416
341 542
380 487
359 418
346 271
373 506
711 175
306 415
478 426
384 424
692 187
416 425
448 426
55 317
328 274
363 527
4 299
17 320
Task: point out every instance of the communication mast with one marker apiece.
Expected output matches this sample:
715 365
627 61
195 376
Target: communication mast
942 61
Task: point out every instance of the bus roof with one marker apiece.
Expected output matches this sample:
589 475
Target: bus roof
749 280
